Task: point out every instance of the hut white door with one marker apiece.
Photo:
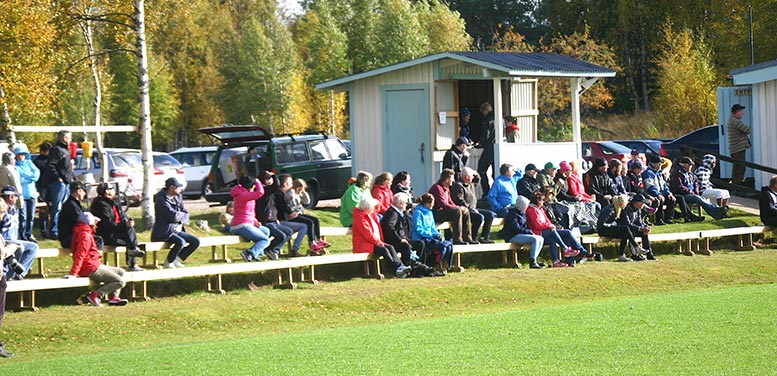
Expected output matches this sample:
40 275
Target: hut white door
406 134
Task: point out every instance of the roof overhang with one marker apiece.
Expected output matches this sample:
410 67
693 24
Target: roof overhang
753 74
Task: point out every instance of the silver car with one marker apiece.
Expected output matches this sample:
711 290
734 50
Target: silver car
196 162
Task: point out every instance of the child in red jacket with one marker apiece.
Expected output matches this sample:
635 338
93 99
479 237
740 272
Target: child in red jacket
86 263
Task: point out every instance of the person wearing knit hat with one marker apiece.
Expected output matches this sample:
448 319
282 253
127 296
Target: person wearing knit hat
115 227
464 117
598 184
516 230
703 173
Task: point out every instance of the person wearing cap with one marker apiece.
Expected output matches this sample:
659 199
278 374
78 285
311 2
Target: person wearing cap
114 226
169 219
464 117
29 174
457 156
767 203
516 230
528 184
353 196
635 156
657 189
512 131
631 217
683 183
463 194
633 182
504 191
68 216
487 140
6 250
597 183
738 142
86 263
59 174
608 226
703 173
445 210
547 177
267 213
27 250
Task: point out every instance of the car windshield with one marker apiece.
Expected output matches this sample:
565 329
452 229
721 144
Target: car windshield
127 160
165 160
609 147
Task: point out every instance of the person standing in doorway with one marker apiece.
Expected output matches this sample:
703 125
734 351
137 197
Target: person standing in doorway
738 142
487 140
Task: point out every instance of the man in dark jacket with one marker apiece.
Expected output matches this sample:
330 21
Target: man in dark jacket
267 213
59 173
631 217
397 229
463 194
42 185
768 203
456 158
598 183
69 213
169 218
115 227
529 183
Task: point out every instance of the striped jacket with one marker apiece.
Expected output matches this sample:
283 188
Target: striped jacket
738 134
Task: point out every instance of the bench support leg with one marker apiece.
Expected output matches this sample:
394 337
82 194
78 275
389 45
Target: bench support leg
746 243
290 275
510 258
218 289
144 292
367 271
312 273
27 307
215 257
40 273
456 267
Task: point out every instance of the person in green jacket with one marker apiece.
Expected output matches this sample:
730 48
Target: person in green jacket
358 189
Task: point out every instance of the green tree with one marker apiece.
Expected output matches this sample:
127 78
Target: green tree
485 18
444 28
398 28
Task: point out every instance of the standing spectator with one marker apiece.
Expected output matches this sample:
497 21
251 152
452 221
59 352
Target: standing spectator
70 211
368 237
397 230
29 176
597 183
27 250
42 186
381 191
353 195
658 190
464 117
59 174
245 223
86 263
295 199
634 158
8 173
738 142
631 216
456 158
768 203
487 140
683 183
114 226
169 221
266 207
608 226
6 250
703 174
528 183
445 210
463 194
516 230
402 183
504 191
439 252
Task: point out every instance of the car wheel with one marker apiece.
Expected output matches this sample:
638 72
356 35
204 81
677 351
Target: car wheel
207 188
313 193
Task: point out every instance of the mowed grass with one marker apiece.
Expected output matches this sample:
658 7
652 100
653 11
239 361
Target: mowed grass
679 315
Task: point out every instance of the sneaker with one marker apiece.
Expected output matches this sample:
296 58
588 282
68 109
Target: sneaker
536 266
583 260
669 221
5 354
31 238
659 222
117 301
247 257
17 277
623 258
295 253
403 271
178 263
639 250
94 298
638 258
571 252
458 242
651 256
694 218
323 243
168 265
135 253
135 268
272 255
314 252
486 241
559 264
316 247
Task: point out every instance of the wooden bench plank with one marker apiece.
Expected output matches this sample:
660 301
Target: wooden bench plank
28 287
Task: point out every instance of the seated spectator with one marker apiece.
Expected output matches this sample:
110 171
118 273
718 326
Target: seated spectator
631 217
768 203
516 230
663 199
268 209
554 211
528 184
296 198
27 250
29 174
357 189
397 231
368 237
575 187
633 182
381 191
68 215
683 183
703 174
608 226
504 191
540 224
463 194
114 226
86 263
288 216
547 177
402 183
6 252
169 219
616 172
244 222
438 250
456 158
598 184
225 218
445 210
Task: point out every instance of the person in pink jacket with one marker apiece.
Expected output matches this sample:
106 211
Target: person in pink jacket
574 182
244 222
381 191
540 225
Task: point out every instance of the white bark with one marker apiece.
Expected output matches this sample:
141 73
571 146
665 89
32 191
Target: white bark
145 115
86 29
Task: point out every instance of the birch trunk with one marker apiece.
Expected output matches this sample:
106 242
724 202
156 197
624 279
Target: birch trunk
86 29
145 115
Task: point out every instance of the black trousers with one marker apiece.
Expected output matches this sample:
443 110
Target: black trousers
403 249
389 253
619 232
314 227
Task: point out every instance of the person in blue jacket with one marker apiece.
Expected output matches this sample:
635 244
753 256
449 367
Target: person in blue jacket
28 177
425 229
504 191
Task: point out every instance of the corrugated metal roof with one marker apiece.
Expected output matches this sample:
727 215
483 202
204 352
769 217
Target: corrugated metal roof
754 74
754 67
536 64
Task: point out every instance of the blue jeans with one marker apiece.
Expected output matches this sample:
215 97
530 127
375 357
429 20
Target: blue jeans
300 228
280 235
535 243
710 208
25 255
553 239
259 235
178 250
484 217
27 218
58 192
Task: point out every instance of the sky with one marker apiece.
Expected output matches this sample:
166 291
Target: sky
290 6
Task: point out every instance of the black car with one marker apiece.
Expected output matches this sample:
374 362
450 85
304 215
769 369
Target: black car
644 146
706 139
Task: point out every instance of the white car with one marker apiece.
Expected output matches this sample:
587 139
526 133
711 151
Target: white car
196 162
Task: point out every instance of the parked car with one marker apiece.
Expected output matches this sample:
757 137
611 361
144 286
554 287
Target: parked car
196 162
706 139
607 150
644 146
321 160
